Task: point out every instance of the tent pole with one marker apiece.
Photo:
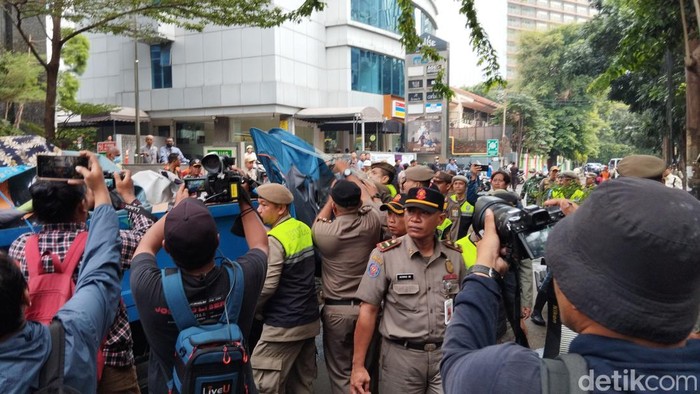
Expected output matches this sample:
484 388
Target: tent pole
363 134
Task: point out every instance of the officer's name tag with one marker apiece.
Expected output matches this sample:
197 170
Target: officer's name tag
404 276
449 310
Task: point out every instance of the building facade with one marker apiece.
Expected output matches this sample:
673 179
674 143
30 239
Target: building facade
539 15
208 89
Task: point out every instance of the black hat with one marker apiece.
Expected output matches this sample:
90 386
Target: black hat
191 236
396 205
425 198
346 194
641 278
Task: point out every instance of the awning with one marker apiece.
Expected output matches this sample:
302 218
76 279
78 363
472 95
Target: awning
340 115
124 114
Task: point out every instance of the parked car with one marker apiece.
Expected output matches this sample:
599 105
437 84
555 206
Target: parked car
593 167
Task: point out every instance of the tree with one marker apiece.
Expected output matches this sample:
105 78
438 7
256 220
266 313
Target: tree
19 83
556 68
655 67
118 17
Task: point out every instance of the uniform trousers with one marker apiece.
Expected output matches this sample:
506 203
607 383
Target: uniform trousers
338 344
409 371
118 380
284 367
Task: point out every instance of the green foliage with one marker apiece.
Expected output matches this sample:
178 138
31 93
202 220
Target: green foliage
478 39
7 129
555 68
19 79
69 138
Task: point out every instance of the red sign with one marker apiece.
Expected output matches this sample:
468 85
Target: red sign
104 146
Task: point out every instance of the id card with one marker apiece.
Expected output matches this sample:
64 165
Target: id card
449 310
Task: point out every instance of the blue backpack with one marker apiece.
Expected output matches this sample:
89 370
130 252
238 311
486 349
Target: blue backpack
209 358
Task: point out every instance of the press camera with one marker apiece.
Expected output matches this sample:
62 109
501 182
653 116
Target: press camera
519 229
220 184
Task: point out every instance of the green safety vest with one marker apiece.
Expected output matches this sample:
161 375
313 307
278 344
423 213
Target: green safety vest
465 208
392 190
468 251
294 302
442 227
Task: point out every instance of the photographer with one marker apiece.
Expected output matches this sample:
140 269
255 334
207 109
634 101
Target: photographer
633 302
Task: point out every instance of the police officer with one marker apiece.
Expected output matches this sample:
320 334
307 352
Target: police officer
460 206
345 232
416 278
285 356
395 223
416 176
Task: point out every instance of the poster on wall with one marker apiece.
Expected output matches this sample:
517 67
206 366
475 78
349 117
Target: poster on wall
425 134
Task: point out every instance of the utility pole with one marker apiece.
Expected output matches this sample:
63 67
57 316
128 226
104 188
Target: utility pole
137 117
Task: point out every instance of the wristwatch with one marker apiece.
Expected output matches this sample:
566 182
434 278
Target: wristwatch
482 269
347 172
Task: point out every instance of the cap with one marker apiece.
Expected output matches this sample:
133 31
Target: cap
190 234
275 193
196 163
249 147
425 198
460 178
444 176
553 168
346 194
419 173
591 175
646 263
366 164
641 166
569 174
396 205
384 166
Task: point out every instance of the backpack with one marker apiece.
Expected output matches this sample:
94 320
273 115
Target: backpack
49 291
51 375
561 375
212 357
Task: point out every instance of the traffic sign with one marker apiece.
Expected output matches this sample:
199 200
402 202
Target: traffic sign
491 147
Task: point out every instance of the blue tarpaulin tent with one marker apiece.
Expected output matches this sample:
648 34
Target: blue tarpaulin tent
293 162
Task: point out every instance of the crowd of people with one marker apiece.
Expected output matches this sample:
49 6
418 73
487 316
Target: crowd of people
407 295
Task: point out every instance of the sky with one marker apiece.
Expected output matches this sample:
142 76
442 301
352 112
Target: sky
491 14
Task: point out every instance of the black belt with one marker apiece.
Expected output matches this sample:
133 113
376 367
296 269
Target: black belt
425 346
350 302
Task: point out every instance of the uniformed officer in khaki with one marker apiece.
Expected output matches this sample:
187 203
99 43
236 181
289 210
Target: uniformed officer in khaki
417 176
284 360
416 277
345 232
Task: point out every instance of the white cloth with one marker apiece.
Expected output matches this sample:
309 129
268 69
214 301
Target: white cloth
673 181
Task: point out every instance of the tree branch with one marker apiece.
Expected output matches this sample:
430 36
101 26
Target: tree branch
27 40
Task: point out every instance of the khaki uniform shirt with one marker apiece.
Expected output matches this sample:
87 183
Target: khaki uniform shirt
345 244
414 289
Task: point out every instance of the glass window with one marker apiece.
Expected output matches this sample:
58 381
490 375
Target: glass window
161 67
383 14
426 24
555 4
375 73
542 15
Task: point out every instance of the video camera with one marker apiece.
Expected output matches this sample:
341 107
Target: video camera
519 229
220 184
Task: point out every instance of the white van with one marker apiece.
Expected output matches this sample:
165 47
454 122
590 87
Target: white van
612 164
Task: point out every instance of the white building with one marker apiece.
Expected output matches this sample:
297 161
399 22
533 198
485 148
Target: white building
210 88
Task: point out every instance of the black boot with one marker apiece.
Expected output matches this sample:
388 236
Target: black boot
537 318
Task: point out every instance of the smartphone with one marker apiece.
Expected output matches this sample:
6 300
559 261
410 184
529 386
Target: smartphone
195 185
484 167
59 168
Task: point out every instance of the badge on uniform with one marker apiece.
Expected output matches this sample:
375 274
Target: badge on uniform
373 269
449 310
449 266
404 277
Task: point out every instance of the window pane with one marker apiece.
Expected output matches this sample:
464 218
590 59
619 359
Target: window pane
375 73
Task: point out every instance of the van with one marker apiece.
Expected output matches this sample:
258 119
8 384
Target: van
612 164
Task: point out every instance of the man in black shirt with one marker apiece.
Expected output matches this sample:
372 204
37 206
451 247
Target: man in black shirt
189 234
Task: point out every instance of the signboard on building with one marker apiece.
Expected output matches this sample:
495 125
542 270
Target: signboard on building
104 146
398 109
491 147
426 119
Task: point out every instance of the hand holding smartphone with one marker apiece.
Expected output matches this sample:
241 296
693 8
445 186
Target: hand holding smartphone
61 167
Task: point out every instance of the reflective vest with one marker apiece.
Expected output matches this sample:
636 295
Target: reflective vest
294 302
392 190
442 227
468 251
460 215
576 196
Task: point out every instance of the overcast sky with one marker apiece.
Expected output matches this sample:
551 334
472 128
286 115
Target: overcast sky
491 14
